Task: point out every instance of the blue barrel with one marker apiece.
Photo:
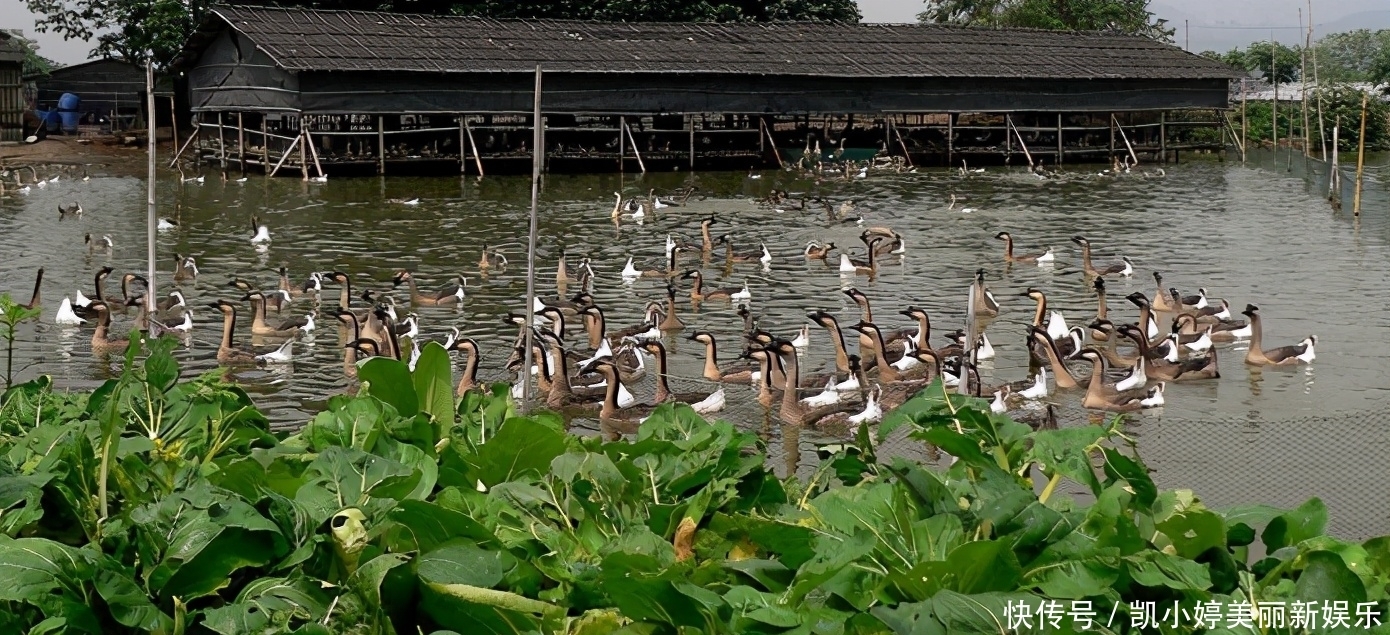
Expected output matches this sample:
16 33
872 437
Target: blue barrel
70 120
49 118
69 102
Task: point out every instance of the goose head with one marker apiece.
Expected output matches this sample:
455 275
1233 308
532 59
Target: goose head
400 278
1081 240
1250 310
1003 236
1138 299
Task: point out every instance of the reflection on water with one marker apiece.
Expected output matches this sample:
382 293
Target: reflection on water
1256 234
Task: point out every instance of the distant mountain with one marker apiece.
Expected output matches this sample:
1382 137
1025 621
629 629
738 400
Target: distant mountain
1373 20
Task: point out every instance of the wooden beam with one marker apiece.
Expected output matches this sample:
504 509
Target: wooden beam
1125 137
635 153
197 134
284 156
240 143
773 142
950 137
314 152
907 155
1059 139
380 144
303 151
174 119
1163 135
622 142
690 122
473 144
265 144
463 148
1009 124
221 143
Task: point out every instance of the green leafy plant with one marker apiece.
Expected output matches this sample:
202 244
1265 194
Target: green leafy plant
11 315
404 510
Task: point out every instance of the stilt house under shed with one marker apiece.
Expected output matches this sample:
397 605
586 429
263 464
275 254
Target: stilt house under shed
361 92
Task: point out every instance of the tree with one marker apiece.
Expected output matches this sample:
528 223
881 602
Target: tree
34 64
137 30
1271 58
1126 16
1351 56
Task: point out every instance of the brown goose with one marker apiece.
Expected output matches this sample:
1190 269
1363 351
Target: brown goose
1160 368
227 352
703 402
712 371
615 420
1124 268
837 338
449 296
1300 353
698 292
102 342
1102 396
1029 257
469 380
36 300
287 328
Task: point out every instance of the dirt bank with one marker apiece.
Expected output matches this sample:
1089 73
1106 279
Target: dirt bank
99 156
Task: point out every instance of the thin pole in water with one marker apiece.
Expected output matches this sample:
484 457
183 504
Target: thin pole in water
151 223
975 285
1360 160
537 156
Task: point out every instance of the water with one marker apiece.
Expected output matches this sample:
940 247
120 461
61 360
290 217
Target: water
1258 234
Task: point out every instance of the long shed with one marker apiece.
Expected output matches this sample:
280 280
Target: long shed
369 73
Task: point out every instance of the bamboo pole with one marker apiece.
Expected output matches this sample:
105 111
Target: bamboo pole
174 119
773 142
1334 177
1242 122
1125 137
284 156
313 152
151 219
191 138
1303 77
1322 128
1112 136
1059 139
380 144
302 139
240 143
690 122
964 386
265 144
635 153
1360 160
622 142
463 148
1163 135
537 156
1274 77
221 143
906 155
950 138
473 143
1009 123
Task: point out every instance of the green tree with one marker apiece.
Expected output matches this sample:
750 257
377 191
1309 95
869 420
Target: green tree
1127 16
132 30
1352 56
1271 58
34 64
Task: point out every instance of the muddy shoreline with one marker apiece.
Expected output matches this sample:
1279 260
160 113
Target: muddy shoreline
97 156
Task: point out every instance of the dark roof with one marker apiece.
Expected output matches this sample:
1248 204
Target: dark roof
308 40
10 48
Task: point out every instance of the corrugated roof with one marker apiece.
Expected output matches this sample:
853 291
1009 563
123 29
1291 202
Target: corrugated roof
309 40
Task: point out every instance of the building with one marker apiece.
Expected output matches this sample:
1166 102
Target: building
11 88
346 91
112 92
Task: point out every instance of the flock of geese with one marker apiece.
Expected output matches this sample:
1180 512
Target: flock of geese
586 367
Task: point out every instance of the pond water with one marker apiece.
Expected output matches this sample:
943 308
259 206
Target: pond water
1260 233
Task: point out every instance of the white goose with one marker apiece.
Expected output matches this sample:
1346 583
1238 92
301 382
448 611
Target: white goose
282 355
998 406
1200 344
766 258
630 272
1154 398
1057 325
261 234
66 316
711 404
1047 257
742 296
1039 388
802 339
81 300
872 412
166 225
1307 356
186 325
1137 377
983 349
825 398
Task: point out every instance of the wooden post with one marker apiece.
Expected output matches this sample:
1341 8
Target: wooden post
1112 136
221 143
1334 177
1059 138
950 137
174 119
473 143
240 143
1009 141
313 152
635 153
1322 127
1009 125
265 145
773 142
1274 106
1242 122
622 142
303 151
906 155
1303 76
1125 138
197 134
690 121
1163 134
463 149
284 156
380 144
1360 160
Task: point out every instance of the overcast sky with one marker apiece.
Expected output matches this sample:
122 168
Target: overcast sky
1218 24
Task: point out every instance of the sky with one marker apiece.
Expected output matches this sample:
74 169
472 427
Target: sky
1217 25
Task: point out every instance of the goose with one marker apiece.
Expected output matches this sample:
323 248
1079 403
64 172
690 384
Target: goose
731 256
631 272
1045 256
491 258
670 321
185 267
1123 268
469 348
1169 370
449 296
125 295
997 405
36 298
282 355
1039 388
983 349
851 266
1057 325
1217 332
192 179
1138 377
98 244
81 301
1102 397
857 381
825 397
707 242
173 304
1198 301
803 338
663 392
322 178
66 316
753 175
1062 377
1300 353
712 371
792 411
872 412
1147 324
1199 345
766 258
698 292
837 339
74 210
260 234
1154 399
891 242
985 303
1162 300
1102 311
287 328
656 200
166 224
743 296
817 251
613 414
227 352
184 326
102 342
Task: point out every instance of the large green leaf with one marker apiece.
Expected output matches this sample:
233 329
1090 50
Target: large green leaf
422 526
1158 569
44 574
1132 471
521 447
915 618
643 595
343 477
434 385
389 380
125 599
348 421
271 605
983 566
1326 578
1067 451
20 501
1194 531
456 585
1291 528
